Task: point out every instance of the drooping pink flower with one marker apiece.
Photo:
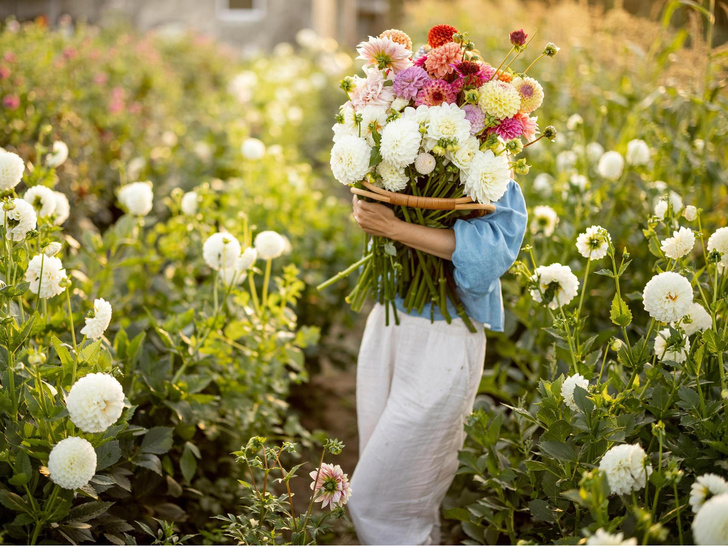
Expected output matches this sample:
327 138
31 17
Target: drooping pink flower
440 60
434 93
372 91
508 129
384 53
476 117
408 82
332 486
530 127
11 102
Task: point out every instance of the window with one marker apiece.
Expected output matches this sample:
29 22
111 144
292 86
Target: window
241 10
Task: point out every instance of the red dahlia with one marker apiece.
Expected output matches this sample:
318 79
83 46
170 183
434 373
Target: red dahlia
440 35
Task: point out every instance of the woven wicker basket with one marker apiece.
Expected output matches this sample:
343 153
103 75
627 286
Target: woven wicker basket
432 203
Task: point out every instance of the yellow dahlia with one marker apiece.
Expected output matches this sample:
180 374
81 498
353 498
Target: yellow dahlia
531 93
499 99
398 37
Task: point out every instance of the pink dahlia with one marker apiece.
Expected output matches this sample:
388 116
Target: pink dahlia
332 486
421 59
508 129
530 127
476 117
408 82
371 91
440 60
11 102
434 93
385 53
469 73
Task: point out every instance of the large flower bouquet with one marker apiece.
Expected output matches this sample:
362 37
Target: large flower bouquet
440 123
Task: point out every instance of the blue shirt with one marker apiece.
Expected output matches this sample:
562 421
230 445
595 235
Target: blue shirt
485 248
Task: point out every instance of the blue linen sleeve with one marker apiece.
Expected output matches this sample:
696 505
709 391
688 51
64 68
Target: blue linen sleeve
487 246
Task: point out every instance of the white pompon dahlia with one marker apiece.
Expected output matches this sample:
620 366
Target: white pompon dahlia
638 152
393 178
97 320
680 244
350 159
11 170
626 467
72 463
594 151
690 213
63 208
269 245
401 140
95 402
602 538
20 220
574 121
447 121
247 259
568 387
719 242
593 243
543 184
189 203
43 200
464 155
58 156
544 220
499 99
666 349
252 149
136 198
53 274
425 163
232 276
611 165
557 285
488 177
667 296
373 120
700 319
710 525
706 486
220 250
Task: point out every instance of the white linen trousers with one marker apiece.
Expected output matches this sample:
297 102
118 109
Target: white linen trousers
415 385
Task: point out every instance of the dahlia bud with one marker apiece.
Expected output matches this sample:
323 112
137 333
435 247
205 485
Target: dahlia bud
347 84
471 96
616 345
64 283
550 132
8 205
438 150
551 49
518 38
514 146
36 358
521 167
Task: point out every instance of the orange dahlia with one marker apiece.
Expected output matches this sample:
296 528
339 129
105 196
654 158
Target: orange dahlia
398 36
440 35
441 60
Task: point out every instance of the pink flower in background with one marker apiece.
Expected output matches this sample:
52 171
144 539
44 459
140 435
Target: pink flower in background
9 57
4 72
135 107
476 117
116 105
440 60
435 92
408 82
101 78
372 91
530 127
11 102
508 129
332 486
70 53
384 53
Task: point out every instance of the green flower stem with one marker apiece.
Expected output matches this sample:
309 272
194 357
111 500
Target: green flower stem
288 490
310 503
254 292
569 339
266 281
73 334
495 75
678 509
40 284
345 273
534 62
583 289
11 383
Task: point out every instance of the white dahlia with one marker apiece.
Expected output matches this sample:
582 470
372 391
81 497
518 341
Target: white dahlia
252 149
661 208
710 525
673 351
372 117
574 121
53 274
43 200
447 121
400 143
557 285
269 245
63 208
95 402
58 156
543 184
464 155
11 170
680 244
189 203
594 151
499 99
593 243
626 468
247 259
611 165
488 177
566 161
700 319
220 251
602 538
690 213
232 276
97 320
719 242
544 220
136 198
20 220
421 114
705 486
667 296
425 163
72 463
350 159
638 152
393 178
568 387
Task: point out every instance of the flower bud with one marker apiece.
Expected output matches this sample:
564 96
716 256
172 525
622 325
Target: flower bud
550 132
514 146
65 283
518 38
347 84
438 150
36 358
616 345
471 96
551 49
8 205
521 166
690 213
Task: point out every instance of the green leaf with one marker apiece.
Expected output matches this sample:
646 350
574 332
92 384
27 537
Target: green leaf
89 510
188 463
459 514
558 450
158 440
620 313
540 510
13 502
107 455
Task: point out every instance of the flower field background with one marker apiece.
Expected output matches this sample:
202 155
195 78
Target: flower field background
206 363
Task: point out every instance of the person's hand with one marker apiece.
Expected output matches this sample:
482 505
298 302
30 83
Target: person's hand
374 218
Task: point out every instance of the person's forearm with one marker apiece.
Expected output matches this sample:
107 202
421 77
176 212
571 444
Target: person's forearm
438 242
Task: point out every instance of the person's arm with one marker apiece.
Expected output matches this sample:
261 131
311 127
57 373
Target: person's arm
379 220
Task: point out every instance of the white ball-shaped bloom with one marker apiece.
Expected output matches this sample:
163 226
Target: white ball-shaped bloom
719 242
488 177
425 163
252 149
393 178
593 243
136 198
674 352
676 202
611 165
661 208
63 208
20 220
667 296
269 245
579 181
626 468
638 152
680 244
95 402
710 525
574 121
188 204
499 99
704 486
98 320
447 121
53 274
400 143
247 259
399 103
690 213
568 386
544 220
72 463
602 538
11 170
700 319
566 161
220 251
594 151
43 200
58 156
350 159
464 155
557 285
543 184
